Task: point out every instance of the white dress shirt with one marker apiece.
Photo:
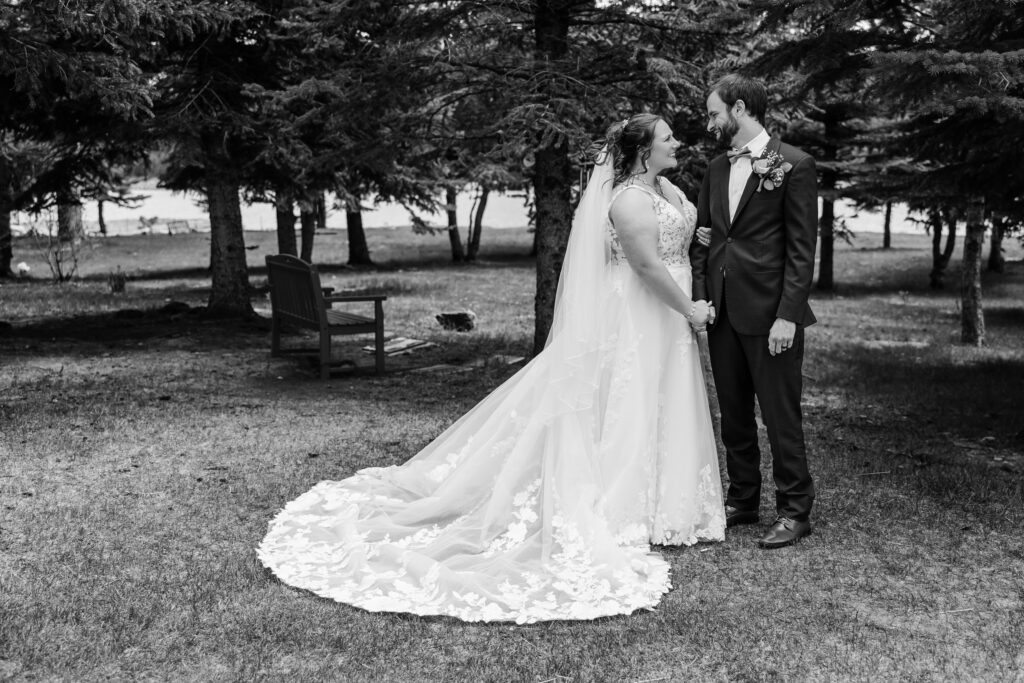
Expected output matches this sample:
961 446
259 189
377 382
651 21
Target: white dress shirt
741 169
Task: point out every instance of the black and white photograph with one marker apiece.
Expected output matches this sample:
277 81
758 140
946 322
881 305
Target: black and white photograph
543 341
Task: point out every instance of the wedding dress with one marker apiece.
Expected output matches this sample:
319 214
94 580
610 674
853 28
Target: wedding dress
540 503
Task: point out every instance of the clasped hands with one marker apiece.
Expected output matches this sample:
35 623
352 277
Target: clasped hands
701 315
703 311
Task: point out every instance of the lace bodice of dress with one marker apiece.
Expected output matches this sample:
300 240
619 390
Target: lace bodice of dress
675 230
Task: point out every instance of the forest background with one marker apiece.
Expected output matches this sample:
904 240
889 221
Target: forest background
916 103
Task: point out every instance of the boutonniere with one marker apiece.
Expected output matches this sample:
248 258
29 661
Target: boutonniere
771 170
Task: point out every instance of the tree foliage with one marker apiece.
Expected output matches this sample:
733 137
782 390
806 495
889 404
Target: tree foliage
547 77
817 56
959 90
915 101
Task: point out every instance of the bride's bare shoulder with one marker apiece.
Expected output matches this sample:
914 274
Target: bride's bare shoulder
630 204
628 198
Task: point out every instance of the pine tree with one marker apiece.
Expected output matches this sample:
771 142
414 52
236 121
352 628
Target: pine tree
74 94
961 89
341 116
816 55
207 112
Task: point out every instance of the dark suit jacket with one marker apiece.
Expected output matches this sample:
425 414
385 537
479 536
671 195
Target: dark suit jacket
766 254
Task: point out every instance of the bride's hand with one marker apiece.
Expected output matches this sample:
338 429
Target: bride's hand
699 314
704 236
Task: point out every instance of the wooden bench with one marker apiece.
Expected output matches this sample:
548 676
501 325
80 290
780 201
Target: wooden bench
298 300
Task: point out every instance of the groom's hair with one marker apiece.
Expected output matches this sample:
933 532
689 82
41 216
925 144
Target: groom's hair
735 87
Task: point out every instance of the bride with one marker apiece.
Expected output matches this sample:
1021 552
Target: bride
542 501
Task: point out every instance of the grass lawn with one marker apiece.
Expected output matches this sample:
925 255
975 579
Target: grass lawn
142 452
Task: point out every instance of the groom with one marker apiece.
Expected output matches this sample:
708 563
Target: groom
761 202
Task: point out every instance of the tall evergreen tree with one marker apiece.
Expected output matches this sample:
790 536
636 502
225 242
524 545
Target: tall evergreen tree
74 93
817 53
206 111
961 87
339 119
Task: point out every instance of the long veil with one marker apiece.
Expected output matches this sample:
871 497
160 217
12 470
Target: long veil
577 308
573 345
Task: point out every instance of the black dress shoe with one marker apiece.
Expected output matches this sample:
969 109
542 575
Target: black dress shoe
734 516
783 532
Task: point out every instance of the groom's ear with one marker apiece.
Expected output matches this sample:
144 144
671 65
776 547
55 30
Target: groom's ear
739 107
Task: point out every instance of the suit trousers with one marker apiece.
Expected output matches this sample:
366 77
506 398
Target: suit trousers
743 369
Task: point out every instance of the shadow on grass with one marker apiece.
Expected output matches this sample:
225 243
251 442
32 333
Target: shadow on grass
887 250
928 428
493 261
497 260
913 279
133 325
909 403
201 274
178 326
1005 317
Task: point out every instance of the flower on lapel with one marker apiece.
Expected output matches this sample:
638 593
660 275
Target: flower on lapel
771 170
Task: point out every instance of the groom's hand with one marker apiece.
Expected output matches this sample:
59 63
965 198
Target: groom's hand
703 236
780 337
700 323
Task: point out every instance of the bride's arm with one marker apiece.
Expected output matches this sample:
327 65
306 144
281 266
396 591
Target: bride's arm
637 226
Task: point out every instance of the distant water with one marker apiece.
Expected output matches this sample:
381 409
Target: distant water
161 211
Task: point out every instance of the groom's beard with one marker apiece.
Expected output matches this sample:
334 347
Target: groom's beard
725 134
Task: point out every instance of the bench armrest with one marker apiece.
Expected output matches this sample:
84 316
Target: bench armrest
355 297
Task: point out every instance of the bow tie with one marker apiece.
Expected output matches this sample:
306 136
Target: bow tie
735 154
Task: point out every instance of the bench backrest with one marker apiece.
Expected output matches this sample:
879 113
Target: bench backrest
295 292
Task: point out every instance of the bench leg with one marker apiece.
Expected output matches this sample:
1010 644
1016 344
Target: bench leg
325 355
379 319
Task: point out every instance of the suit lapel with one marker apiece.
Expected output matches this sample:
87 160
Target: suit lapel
751 186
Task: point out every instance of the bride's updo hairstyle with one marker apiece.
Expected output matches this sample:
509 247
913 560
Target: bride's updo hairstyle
629 140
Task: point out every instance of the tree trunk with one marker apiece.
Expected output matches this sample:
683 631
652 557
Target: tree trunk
478 224
941 254
307 221
321 211
6 207
229 294
972 321
6 242
99 217
826 224
947 251
550 181
358 250
284 210
887 228
826 230
996 258
936 275
454 239
551 172
69 219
